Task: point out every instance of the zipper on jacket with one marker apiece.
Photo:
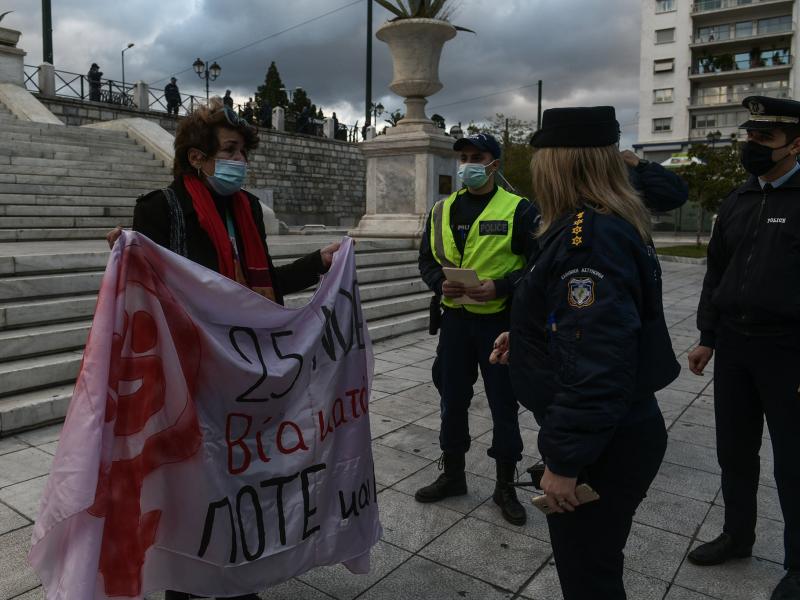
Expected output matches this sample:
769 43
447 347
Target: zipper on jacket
752 249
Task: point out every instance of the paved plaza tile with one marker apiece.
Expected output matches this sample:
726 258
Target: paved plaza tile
462 547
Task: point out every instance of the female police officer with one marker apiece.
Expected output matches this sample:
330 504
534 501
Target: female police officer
588 346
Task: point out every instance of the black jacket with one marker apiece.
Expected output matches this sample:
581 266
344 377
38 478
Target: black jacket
752 282
661 189
151 217
589 344
526 219
171 93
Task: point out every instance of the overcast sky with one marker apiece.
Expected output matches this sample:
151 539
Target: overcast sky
585 51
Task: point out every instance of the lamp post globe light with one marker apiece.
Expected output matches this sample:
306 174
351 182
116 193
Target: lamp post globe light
205 72
124 50
377 110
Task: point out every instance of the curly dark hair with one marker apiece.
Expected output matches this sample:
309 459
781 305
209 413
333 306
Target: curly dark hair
199 130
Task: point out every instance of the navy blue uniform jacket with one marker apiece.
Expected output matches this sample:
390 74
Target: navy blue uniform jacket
589 344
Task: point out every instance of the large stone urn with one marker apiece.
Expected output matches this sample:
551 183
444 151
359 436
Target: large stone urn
413 165
416 47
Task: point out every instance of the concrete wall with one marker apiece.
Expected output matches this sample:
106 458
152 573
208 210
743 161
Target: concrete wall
313 180
83 112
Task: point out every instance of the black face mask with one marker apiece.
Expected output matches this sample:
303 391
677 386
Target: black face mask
757 158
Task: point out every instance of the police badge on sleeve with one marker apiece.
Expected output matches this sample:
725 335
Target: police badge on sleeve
580 292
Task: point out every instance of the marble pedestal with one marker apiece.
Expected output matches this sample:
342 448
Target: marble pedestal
11 58
408 170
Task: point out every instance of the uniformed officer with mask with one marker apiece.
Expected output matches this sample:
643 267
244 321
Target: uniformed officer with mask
485 228
589 346
749 314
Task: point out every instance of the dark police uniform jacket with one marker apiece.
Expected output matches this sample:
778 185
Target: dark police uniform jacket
752 282
589 344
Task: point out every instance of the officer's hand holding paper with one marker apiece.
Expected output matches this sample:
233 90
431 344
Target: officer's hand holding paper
467 278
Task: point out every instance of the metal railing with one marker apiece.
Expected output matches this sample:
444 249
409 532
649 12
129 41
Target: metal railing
701 6
707 66
728 36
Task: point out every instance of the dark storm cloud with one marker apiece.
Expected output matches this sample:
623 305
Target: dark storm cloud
585 51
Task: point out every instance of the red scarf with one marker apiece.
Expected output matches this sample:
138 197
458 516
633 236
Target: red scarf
257 277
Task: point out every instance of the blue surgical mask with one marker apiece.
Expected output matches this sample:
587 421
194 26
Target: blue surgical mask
228 177
473 175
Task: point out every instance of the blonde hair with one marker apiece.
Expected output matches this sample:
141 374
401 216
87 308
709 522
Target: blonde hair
566 178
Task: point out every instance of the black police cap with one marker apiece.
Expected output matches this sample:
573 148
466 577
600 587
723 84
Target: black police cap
590 126
770 113
482 141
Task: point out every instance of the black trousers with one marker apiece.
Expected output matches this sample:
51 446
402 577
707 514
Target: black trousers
465 343
756 377
588 544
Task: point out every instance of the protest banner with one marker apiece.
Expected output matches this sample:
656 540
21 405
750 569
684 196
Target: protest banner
216 443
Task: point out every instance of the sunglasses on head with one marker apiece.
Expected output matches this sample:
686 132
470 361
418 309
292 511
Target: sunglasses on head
233 119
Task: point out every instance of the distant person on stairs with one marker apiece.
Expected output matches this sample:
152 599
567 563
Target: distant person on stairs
173 97
94 76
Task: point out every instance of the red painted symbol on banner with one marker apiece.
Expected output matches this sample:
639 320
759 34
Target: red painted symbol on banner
137 381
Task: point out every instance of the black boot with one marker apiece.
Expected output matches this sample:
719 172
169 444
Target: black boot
505 496
788 588
452 482
719 551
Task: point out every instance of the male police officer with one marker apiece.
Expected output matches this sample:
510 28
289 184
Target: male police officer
485 228
750 313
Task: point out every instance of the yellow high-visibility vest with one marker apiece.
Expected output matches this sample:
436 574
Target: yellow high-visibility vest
488 245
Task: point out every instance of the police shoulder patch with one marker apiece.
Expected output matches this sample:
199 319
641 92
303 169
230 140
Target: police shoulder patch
581 292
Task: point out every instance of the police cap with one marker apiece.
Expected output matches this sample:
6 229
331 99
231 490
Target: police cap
770 113
581 127
482 141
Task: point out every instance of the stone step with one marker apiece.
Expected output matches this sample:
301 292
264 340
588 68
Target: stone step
49 262
43 129
34 409
47 200
372 291
43 339
393 326
68 190
68 181
139 166
14 223
43 371
36 312
383 273
88 150
55 210
27 235
151 174
11 138
29 287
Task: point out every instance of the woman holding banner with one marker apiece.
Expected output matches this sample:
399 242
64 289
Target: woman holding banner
589 347
205 216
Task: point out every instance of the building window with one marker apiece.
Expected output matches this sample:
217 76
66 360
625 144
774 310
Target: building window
660 125
717 120
665 36
664 65
775 25
663 6
663 95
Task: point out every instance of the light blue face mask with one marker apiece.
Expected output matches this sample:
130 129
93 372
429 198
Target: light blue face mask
473 175
228 177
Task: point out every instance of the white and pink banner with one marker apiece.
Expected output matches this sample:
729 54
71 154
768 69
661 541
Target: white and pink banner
216 443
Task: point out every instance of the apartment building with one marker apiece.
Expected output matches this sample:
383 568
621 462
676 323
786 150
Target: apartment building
701 58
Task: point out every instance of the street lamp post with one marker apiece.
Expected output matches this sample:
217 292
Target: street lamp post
713 137
205 72
377 110
124 50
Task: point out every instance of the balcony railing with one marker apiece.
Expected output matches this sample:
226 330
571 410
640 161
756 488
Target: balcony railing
737 97
717 65
731 36
701 6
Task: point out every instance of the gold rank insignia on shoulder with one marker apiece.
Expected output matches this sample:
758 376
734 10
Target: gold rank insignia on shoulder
577 229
